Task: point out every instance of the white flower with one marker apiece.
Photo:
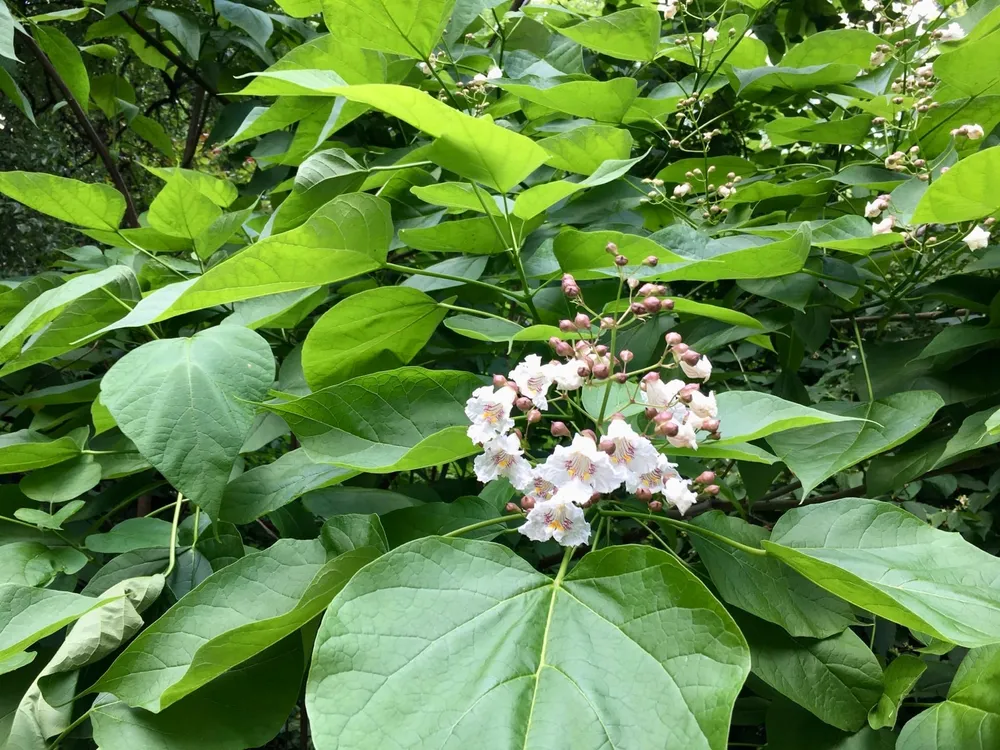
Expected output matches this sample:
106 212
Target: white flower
560 518
634 454
711 36
973 132
493 73
479 78
566 375
877 58
424 68
533 379
922 10
725 192
662 394
489 412
686 437
926 71
678 493
977 239
873 209
581 461
652 480
701 370
683 189
502 457
668 9
540 489
869 5
704 406
885 226
952 32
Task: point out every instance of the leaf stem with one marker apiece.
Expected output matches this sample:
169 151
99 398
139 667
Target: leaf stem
864 361
473 311
483 524
434 274
173 536
689 527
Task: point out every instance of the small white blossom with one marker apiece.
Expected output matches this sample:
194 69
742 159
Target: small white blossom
725 191
634 454
424 68
704 406
662 394
973 132
502 457
683 189
479 78
885 226
560 518
926 71
977 239
493 73
566 375
922 10
489 412
652 480
686 437
952 32
877 58
668 9
701 370
873 209
533 380
581 461
711 36
678 493
540 488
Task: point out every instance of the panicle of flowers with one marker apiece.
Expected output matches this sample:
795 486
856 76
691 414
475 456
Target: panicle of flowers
621 454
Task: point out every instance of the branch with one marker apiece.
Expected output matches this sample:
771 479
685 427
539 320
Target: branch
898 316
164 50
194 127
131 217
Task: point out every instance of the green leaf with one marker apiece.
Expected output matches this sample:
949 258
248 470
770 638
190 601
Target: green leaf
221 231
844 46
583 149
28 614
180 210
53 521
764 587
62 482
816 453
181 26
456 195
538 198
367 332
761 83
968 191
67 61
434 519
726 315
35 564
475 236
132 534
189 404
351 531
792 728
750 415
153 133
25 450
887 561
243 708
602 101
256 23
632 34
970 718
411 29
79 203
851 130
837 679
7 27
284 310
398 420
678 170
220 191
532 662
268 595
900 677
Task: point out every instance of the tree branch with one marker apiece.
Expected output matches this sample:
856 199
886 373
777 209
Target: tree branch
131 217
160 47
194 126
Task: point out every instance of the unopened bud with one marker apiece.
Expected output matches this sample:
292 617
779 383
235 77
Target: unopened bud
601 350
581 321
512 507
712 425
680 348
651 260
625 355
706 477
666 304
589 433
567 278
650 377
643 494
673 338
621 377
559 429
554 341
564 350
712 489
611 248
566 326
523 403
646 289
571 290
667 429
601 371
517 433
650 412
607 445
527 503
621 260
655 505
607 322
652 304
499 381
583 371
534 416
691 357
637 308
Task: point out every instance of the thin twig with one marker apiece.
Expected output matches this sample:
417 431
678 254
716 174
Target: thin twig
194 127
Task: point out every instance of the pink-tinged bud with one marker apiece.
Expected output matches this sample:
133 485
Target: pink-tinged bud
711 425
651 411
655 506
621 260
684 396
668 304
637 308
621 377
567 278
607 323
712 489
652 304
643 494
616 415
647 289
673 338
680 348
607 445
527 503
583 371
499 381
611 248
589 433
691 357
663 415
554 342
602 350
559 429
625 355
594 498
516 432
512 507
601 371
563 349
706 477
534 416
650 377
667 429
717 435
571 290
566 326
523 403
582 321
651 260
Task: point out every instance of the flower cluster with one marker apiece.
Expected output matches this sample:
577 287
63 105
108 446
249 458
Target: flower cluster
559 482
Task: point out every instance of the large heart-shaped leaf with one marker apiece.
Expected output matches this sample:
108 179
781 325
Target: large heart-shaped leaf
628 647
885 560
28 614
398 420
188 404
410 28
90 206
631 34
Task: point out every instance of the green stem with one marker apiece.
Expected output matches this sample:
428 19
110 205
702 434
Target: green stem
612 352
447 90
864 361
434 274
689 527
473 311
77 722
173 537
484 524
391 167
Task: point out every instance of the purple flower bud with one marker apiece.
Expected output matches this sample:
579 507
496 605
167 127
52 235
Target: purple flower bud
523 403
601 371
650 412
602 350
554 342
673 338
566 326
608 322
611 248
512 507
625 355
583 371
534 416
571 290
668 304
651 260
621 377
643 494
589 433
691 357
712 425
637 308
621 260
712 489
499 381
652 304
646 289
655 505
527 503
582 321
559 429
681 348
607 445
706 477
563 349
650 377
